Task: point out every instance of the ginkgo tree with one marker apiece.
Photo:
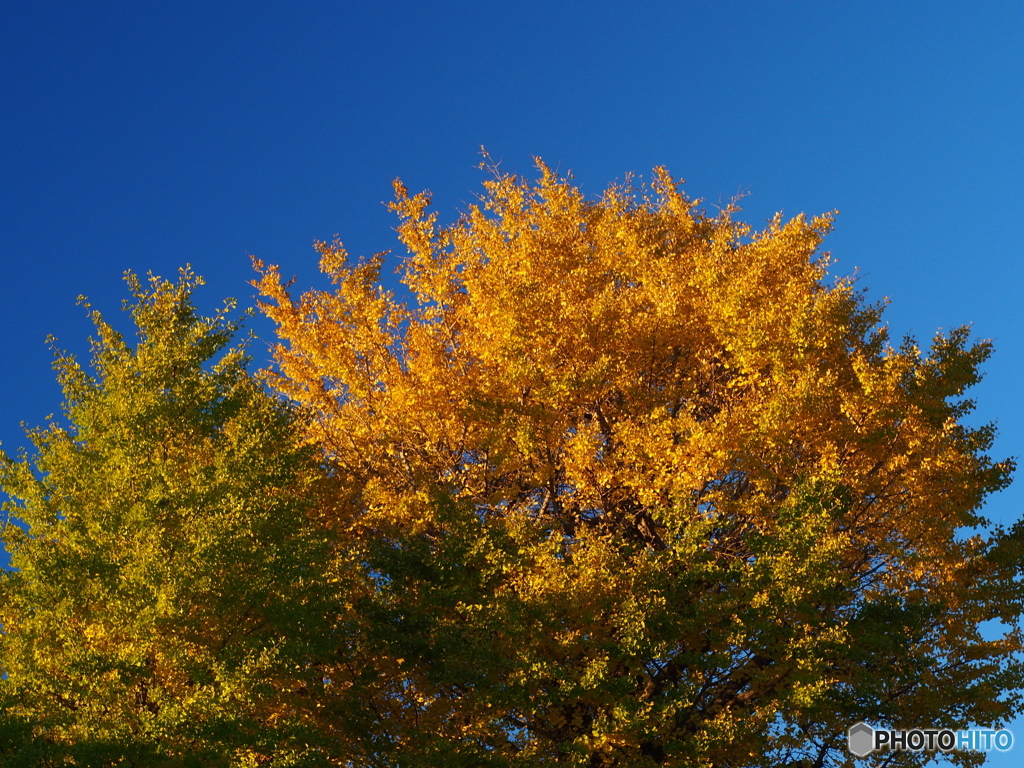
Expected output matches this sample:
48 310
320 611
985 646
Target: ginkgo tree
638 485
170 601
618 483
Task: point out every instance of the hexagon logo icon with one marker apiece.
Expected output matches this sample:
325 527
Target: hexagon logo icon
860 739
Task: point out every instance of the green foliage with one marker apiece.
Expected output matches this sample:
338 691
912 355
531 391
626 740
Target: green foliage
169 601
627 486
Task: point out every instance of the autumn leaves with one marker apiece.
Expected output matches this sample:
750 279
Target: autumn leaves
619 484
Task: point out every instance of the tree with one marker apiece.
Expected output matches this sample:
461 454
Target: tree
170 603
637 485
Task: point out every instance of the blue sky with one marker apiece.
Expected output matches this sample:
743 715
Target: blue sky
138 137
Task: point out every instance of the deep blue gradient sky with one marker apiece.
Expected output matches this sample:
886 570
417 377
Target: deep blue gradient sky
142 138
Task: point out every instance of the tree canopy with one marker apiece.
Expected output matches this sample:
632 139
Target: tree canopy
615 483
169 593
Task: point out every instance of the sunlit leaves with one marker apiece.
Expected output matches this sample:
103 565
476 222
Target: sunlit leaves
169 598
693 475
608 482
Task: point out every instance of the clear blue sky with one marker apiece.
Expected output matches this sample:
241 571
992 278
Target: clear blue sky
138 137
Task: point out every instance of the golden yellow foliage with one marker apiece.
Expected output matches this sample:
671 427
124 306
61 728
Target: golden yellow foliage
619 484
636 483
